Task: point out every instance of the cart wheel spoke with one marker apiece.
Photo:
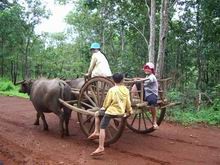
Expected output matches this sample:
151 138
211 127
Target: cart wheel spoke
116 122
145 126
103 93
149 119
97 94
93 95
88 120
139 121
142 121
92 126
86 104
90 100
134 119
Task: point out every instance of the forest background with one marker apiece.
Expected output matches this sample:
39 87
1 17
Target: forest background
189 46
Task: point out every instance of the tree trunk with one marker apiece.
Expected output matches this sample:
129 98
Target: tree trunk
26 66
103 39
162 37
13 72
2 59
151 46
198 49
122 36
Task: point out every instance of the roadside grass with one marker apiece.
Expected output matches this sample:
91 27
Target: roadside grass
208 115
187 113
7 88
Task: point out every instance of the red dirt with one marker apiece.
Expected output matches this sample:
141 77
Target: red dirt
21 142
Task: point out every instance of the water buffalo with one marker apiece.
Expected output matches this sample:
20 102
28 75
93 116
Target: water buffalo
44 95
76 83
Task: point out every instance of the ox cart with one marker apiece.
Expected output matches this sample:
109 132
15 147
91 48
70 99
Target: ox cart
90 99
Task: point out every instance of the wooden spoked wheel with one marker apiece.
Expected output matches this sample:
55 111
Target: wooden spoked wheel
92 95
141 121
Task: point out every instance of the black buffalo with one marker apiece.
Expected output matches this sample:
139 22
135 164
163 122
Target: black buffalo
76 85
44 95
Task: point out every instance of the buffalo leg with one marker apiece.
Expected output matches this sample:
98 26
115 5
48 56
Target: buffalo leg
67 115
37 119
44 121
60 114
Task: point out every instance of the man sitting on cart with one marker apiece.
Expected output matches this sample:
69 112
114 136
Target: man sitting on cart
99 65
117 103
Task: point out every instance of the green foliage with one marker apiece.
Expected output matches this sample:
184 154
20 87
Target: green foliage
187 113
6 85
7 88
17 38
208 116
174 94
216 105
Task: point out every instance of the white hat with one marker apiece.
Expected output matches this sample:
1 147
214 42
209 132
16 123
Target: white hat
150 65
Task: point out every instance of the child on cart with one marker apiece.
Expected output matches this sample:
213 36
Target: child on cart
99 65
150 90
117 103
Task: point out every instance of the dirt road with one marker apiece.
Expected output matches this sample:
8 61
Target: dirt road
21 142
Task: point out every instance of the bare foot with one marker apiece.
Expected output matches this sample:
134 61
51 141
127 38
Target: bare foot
155 126
98 152
93 136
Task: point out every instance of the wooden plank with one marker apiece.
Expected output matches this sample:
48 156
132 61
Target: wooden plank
170 105
166 104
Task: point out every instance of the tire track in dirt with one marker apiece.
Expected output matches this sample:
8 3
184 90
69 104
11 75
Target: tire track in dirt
148 158
18 124
20 155
187 142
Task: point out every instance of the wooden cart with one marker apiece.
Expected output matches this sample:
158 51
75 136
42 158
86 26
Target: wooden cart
90 100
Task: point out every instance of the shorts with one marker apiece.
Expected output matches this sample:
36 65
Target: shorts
151 99
105 119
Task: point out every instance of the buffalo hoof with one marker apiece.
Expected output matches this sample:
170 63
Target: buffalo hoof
46 129
36 123
72 134
62 135
67 134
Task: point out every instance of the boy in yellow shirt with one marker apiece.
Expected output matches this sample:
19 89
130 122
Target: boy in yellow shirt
117 102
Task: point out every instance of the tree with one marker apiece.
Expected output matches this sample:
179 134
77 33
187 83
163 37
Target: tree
17 36
162 37
152 15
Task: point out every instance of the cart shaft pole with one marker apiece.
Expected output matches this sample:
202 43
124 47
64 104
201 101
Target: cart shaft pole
76 109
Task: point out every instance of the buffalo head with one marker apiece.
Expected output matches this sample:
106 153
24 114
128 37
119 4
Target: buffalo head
26 86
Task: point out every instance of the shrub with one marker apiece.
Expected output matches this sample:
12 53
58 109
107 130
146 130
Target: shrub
7 88
6 85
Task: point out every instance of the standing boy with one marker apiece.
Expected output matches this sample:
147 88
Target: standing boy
117 102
